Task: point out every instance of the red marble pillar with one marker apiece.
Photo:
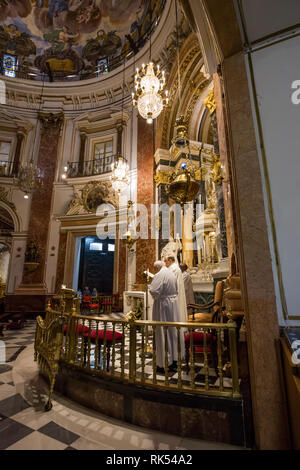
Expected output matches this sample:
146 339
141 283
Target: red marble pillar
145 249
41 199
61 260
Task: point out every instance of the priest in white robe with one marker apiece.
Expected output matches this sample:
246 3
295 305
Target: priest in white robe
165 308
175 269
188 285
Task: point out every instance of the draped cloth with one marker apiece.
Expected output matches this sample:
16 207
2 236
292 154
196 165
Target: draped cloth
188 287
165 308
175 269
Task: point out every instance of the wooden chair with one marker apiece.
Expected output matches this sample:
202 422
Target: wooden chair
106 304
214 306
198 344
85 304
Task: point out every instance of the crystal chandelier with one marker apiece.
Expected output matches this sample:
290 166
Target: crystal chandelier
119 177
149 96
29 178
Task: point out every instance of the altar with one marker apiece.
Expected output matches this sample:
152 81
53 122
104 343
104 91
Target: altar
135 300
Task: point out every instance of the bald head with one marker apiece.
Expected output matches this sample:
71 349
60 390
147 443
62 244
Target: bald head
158 265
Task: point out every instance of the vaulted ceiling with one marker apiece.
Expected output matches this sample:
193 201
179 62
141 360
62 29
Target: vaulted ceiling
70 37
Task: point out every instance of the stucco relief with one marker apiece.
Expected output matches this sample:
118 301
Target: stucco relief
88 197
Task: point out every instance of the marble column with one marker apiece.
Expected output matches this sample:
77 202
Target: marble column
145 249
41 199
17 157
222 222
61 257
257 284
81 155
162 198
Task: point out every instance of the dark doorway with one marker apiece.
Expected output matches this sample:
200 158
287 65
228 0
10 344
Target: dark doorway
96 268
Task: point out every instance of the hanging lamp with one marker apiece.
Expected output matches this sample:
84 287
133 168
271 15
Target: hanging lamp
183 186
149 96
30 177
120 171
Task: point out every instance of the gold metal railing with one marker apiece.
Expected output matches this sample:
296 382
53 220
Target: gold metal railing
48 344
119 350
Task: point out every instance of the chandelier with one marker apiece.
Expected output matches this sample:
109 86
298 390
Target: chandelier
119 177
29 178
149 96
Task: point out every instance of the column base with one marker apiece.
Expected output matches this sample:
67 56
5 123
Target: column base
28 298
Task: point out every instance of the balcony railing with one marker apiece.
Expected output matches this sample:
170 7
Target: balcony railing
7 169
90 167
119 349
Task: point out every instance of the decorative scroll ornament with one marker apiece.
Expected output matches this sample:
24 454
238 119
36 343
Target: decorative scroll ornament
162 177
51 123
210 102
149 96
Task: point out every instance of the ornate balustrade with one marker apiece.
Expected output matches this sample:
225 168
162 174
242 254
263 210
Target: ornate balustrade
98 166
126 351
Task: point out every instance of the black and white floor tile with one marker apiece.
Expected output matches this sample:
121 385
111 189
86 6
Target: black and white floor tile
25 426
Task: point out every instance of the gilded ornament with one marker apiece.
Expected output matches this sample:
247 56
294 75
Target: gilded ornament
210 102
216 170
162 177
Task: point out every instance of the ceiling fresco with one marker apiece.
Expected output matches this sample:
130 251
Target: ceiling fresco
61 37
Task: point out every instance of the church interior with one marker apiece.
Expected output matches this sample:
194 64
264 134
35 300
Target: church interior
145 143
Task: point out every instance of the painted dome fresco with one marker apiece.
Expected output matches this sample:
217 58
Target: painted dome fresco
72 38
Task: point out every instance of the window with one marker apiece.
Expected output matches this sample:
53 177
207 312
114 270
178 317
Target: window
96 246
4 151
103 156
9 65
102 67
111 247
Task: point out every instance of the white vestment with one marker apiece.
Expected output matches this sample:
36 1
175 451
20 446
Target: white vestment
188 286
175 269
165 308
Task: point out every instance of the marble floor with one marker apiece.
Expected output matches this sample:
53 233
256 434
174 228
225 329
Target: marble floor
68 426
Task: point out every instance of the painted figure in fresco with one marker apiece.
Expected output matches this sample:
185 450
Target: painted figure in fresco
61 39
104 45
14 8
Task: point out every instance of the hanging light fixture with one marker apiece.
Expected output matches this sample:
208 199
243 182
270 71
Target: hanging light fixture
180 140
120 171
119 177
150 97
30 177
183 186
